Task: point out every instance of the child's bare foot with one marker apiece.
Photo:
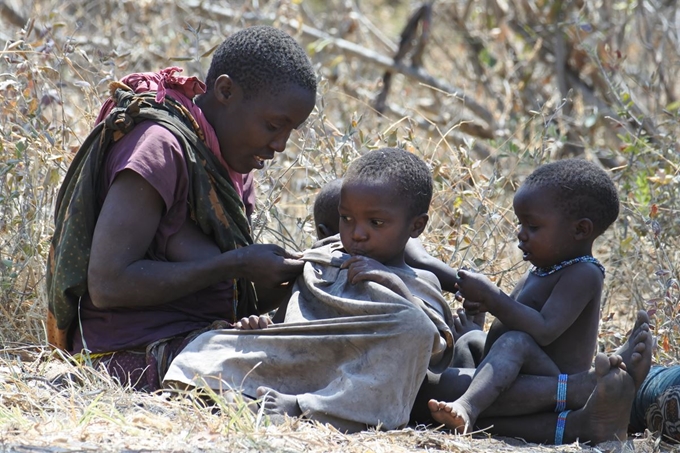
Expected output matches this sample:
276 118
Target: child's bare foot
452 415
606 413
462 324
636 352
278 403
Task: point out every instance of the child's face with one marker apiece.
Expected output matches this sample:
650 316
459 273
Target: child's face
374 222
546 234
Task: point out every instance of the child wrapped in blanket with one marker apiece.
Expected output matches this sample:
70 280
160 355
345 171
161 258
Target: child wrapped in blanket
356 305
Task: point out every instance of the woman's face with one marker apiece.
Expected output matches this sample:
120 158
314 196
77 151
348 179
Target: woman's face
251 131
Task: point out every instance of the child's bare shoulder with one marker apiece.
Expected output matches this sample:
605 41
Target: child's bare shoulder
585 273
582 281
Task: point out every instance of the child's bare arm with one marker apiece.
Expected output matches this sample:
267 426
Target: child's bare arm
576 287
416 256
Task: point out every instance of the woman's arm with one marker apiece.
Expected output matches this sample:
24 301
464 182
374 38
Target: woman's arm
120 276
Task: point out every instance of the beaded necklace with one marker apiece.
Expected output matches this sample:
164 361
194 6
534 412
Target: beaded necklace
545 271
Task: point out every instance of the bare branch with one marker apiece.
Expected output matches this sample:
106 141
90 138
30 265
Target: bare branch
355 50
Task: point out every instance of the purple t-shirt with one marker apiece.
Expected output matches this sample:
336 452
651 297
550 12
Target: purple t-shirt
155 154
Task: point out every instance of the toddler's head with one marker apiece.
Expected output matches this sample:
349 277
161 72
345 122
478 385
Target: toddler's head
326 216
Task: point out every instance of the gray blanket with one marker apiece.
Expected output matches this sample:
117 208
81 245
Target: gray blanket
354 355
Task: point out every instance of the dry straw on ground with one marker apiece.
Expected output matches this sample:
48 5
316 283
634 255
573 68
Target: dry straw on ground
499 87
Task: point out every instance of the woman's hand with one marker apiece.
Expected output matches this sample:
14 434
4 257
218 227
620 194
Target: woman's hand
269 265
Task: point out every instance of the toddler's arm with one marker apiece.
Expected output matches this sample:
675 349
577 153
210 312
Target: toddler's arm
575 288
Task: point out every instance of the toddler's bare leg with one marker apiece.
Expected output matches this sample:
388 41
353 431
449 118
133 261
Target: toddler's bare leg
512 353
604 416
527 395
534 394
468 350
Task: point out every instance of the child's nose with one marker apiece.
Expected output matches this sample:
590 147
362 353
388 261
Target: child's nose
521 234
359 234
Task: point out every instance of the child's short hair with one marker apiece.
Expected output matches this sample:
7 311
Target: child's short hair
581 188
262 57
326 205
408 174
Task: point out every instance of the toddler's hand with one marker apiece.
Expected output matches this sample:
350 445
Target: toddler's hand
253 322
474 286
362 268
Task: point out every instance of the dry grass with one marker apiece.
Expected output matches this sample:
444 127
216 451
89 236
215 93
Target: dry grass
620 62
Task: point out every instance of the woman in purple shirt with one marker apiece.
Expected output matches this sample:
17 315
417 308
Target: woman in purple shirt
169 237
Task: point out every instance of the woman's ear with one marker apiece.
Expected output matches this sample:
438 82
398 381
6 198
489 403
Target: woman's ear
418 225
584 229
223 88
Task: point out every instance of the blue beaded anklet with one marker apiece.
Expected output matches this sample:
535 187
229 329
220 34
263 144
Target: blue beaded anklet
545 271
559 429
561 393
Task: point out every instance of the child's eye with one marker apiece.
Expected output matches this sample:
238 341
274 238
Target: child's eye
345 218
272 127
529 227
377 222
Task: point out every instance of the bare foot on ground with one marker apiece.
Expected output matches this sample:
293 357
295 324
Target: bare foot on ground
452 415
277 402
462 324
636 352
606 413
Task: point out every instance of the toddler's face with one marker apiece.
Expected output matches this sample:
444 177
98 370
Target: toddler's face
546 235
374 222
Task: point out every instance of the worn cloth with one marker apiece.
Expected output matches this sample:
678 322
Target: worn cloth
213 198
353 355
657 403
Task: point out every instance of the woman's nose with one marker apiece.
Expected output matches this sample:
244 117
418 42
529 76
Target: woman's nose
279 142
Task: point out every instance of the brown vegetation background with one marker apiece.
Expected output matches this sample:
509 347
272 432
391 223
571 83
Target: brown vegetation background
483 90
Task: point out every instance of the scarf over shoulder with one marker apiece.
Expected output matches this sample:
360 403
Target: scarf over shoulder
214 197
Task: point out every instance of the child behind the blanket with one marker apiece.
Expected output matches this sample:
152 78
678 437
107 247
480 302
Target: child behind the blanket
326 216
548 325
